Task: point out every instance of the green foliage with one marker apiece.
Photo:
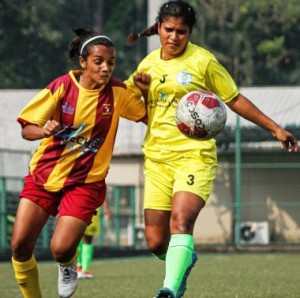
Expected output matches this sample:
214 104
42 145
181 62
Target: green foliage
258 41
255 40
121 19
34 40
271 46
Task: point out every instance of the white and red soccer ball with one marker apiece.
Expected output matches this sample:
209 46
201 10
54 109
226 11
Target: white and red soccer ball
200 115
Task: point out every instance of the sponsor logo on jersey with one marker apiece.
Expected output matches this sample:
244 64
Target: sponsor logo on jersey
106 110
68 132
163 79
67 109
163 95
184 78
70 136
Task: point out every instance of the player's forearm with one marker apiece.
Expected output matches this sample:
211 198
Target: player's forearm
32 132
245 108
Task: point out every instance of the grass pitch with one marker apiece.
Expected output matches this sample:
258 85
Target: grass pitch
274 275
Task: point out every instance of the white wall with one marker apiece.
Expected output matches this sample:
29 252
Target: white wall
126 172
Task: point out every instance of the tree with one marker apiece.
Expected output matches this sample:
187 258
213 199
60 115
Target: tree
255 40
34 39
123 18
35 35
258 41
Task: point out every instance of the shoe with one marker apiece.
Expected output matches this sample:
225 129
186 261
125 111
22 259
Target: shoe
182 287
87 274
79 272
165 293
67 280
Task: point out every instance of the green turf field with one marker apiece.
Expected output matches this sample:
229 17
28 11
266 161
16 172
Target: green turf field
215 275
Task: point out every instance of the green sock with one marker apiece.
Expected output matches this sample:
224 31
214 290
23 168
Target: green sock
87 255
79 258
160 257
178 258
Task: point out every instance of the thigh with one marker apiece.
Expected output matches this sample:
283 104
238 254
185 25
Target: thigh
186 208
66 237
158 186
30 219
47 200
77 207
157 230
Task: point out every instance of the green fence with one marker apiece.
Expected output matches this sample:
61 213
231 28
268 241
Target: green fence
124 229
255 202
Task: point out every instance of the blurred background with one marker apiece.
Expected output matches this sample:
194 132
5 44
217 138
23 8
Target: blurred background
255 202
258 41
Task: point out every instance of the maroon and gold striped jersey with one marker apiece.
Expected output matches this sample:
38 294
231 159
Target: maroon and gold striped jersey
82 150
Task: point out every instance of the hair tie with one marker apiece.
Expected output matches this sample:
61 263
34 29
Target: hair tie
91 39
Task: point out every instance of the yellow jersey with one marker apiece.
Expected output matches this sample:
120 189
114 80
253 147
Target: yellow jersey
196 69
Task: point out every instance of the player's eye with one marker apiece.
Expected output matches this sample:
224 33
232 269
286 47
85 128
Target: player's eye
111 62
169 30
182 32
98 61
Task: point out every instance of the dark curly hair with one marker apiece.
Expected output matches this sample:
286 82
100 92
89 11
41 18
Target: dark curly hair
173 8
79 46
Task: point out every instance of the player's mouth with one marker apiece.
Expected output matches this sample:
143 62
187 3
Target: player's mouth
173 44
103 77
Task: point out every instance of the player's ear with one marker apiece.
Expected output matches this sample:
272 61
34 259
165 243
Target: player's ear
82 62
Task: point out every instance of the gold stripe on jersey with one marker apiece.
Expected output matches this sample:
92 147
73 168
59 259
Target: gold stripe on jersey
82 151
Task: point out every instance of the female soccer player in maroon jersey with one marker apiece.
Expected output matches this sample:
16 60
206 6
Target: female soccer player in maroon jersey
76 117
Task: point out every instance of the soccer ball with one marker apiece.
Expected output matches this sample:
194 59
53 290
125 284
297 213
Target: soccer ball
200 115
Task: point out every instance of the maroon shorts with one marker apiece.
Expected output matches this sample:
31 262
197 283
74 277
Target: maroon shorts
79 201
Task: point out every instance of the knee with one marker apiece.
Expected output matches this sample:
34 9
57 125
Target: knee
182 228
62 254
58 255
182 225
21 250
157 246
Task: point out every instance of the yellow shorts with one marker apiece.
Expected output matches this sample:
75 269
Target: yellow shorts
191 173
93 229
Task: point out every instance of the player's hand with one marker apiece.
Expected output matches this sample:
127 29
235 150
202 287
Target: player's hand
107 213
50 128
142 81
288 141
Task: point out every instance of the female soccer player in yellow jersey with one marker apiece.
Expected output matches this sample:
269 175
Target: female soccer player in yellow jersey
76 117
179 171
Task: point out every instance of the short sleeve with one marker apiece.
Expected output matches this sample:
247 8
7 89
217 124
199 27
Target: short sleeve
220 81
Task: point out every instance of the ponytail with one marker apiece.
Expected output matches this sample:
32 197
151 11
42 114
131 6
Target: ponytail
75 45
172 8
134 37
